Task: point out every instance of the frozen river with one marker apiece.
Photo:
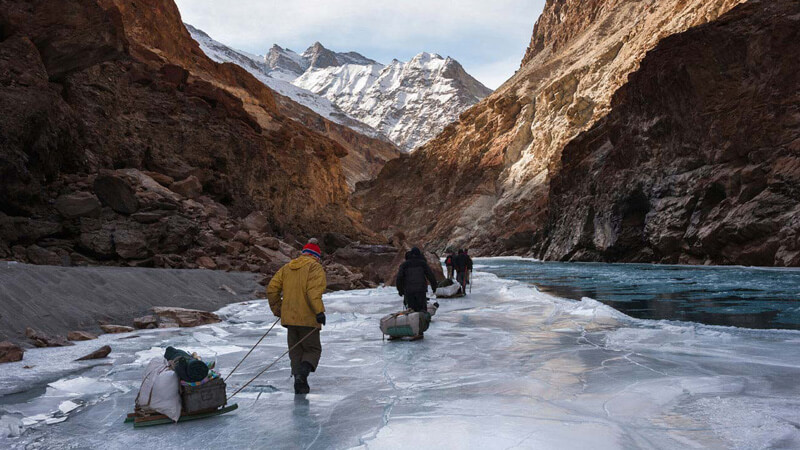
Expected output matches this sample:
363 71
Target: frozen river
507 367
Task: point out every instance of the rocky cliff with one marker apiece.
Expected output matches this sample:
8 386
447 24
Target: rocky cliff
122 142
485 181
699 159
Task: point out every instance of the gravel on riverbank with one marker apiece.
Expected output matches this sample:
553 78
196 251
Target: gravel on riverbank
58 300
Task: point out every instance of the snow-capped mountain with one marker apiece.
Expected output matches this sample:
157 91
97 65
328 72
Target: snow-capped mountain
407 103
410 102
260 68
288 65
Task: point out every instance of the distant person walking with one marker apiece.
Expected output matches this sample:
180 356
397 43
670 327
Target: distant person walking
413 278
295 295
463 266
448 262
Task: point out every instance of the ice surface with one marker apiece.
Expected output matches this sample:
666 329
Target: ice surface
505 367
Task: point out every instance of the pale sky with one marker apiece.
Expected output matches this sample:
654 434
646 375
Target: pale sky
488 37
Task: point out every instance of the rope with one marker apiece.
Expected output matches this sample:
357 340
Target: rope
251 350
273 362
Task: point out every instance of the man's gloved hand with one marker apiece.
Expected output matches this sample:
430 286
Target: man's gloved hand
321 318
400 294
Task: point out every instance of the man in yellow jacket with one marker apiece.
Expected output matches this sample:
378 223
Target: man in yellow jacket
295 295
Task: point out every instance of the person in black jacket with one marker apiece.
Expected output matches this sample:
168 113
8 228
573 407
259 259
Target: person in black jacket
412 280
463 266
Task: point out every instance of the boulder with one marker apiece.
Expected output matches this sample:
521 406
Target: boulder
145 322
10 352
233 248
78 205
40 339
242 236
80 336
270 255
130 244
160 178
115 329
212 208
115 192
185 317
206 263
99 242
341 278
167 323
42 256
101 352
271 243
150 188
189 188
256 221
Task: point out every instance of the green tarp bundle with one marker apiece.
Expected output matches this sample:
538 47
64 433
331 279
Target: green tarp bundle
186 367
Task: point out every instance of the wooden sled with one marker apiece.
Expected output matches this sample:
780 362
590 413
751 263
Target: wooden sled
160 419
457 295
405 338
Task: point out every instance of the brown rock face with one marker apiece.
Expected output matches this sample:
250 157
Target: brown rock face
485 182
80 336
40 339
189 188
185 317
116 193
145 322
82 204
699 159
365 156
101 352
96 94
115 329
10 352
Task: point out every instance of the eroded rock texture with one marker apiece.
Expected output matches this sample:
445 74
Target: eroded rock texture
122 143
699 159
485 182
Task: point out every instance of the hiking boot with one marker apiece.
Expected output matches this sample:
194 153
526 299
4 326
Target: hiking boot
301 384
301 379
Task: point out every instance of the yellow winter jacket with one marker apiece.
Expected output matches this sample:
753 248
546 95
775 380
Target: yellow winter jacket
302 283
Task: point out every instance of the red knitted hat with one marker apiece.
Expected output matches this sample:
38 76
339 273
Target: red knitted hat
312 249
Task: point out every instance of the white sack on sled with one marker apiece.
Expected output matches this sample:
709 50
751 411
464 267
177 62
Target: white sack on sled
448 291
160 390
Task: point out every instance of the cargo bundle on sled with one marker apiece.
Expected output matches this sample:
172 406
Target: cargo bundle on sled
177 388
407 324
448 289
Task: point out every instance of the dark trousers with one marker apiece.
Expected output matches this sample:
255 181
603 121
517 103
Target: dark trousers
417 301
463 279
309 350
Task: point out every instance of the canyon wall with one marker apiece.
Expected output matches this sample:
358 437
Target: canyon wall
122 142
486 181
699 159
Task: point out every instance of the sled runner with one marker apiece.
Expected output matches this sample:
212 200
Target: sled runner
160 419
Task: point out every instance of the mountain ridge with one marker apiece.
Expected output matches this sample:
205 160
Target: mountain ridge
408 105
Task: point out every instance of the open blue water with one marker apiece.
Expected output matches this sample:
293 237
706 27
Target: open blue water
734 296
